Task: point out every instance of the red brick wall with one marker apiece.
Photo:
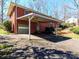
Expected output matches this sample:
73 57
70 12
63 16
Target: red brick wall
33 27
20 12
55 24
45 24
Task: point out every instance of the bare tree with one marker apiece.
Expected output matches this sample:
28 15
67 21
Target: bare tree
55 9
1 13
31 4
67 12
3 9
0 10
39 5
76 3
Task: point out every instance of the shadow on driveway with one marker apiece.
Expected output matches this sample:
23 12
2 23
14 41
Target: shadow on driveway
39 53
52 37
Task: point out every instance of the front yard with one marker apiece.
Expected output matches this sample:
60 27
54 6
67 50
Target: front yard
72 35
68 33
2 31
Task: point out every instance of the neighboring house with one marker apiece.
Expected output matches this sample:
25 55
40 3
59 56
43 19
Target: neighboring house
20 16
73 20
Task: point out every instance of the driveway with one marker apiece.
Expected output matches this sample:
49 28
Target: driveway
65 45
69 45
35 40
62 43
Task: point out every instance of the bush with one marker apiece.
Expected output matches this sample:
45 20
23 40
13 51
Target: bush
2 31
2 26
7 25
66 25
75 29
49 30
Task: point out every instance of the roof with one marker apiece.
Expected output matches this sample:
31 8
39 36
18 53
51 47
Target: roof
38 17
12 5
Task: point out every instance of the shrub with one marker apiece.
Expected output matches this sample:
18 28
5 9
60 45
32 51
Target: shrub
2 26
7 25
2 31
49 30
75 29
66 25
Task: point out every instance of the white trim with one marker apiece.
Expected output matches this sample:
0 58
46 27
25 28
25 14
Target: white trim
38 15
50 19
30 14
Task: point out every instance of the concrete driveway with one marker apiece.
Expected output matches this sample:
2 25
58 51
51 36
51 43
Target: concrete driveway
65 45
18 36
69 45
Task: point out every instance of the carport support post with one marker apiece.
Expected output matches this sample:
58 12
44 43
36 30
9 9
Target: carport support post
29 37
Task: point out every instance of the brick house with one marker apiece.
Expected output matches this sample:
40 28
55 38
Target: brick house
24 19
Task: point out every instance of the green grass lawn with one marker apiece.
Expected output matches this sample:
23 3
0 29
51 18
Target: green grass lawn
72 35
68 33
2 31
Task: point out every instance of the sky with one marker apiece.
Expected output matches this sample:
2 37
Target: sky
51 6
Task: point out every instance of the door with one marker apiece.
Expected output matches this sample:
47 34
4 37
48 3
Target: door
23 29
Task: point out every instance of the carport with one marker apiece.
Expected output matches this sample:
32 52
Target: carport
34 17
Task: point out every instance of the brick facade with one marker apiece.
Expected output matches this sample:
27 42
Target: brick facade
20 12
